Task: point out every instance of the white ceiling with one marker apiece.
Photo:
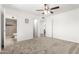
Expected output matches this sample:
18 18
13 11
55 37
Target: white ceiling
31 8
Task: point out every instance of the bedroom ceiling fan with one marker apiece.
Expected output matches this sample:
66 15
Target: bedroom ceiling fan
48 10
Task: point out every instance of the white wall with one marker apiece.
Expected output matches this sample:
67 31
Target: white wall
24 30
1 9
49 26
39 27
66 25
0 27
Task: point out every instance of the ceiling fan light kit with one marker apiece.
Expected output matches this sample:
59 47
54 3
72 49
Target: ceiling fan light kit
46 12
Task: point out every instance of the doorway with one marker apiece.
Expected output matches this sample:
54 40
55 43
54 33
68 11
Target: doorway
43 28
10 31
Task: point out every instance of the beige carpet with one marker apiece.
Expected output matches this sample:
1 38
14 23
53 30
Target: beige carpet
42 45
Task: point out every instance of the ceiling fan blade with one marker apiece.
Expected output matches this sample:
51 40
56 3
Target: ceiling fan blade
40 10
51 12
54 8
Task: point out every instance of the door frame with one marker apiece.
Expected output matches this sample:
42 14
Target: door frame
35 28
2 30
